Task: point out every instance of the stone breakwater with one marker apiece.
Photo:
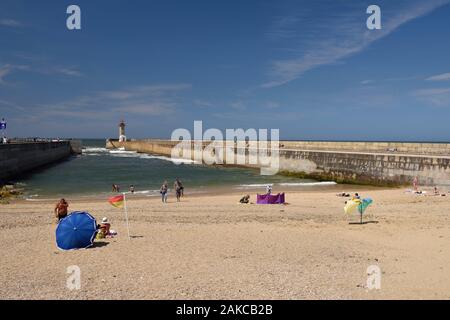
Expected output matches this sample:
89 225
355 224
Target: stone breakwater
371 163
19 158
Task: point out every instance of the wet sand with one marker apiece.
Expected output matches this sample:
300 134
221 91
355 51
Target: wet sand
211 247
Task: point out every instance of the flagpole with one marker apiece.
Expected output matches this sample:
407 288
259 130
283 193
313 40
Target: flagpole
126 214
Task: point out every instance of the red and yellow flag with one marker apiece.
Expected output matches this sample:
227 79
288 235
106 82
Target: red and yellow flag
116 201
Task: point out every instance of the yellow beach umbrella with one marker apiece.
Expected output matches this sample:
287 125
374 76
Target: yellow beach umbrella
351 205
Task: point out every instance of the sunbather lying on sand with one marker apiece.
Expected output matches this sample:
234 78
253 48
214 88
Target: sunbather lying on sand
343 194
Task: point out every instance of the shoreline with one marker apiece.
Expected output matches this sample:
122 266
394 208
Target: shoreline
213 191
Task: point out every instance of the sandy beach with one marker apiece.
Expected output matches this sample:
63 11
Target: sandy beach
211 247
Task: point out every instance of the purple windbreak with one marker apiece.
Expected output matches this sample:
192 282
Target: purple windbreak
270 198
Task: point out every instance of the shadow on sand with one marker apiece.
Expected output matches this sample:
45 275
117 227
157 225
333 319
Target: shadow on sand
364 222
99 244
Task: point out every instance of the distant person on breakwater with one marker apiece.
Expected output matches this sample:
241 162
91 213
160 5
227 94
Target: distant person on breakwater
179 189
61 209
164 189
416 184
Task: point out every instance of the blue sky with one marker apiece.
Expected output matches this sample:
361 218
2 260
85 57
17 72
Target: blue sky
309 68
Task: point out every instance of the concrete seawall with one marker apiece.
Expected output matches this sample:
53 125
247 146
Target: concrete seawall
373 163
19 158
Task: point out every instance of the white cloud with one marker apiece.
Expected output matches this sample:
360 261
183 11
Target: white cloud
144 90
4 71
68 72
328 39
8 68
238 105
432 91
435 96
145 100
272 105
10 23
203 103
439 77
148 109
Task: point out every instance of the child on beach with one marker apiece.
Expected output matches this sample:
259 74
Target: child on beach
164 189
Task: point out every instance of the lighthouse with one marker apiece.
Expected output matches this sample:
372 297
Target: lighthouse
122 137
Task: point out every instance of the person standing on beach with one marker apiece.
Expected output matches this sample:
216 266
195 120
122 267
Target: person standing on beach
164 189
132 189
268 189
178 186
61 209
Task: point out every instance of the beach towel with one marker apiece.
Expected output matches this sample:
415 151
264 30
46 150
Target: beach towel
270 198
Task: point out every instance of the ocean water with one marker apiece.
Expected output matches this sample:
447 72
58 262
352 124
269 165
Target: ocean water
93 173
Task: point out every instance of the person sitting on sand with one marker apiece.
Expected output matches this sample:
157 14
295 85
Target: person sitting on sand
61 209
245 199
103 229
356 197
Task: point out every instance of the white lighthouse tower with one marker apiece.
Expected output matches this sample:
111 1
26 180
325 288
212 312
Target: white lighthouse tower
122 136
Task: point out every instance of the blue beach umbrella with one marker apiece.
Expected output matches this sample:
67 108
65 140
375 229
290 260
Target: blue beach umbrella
76 231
